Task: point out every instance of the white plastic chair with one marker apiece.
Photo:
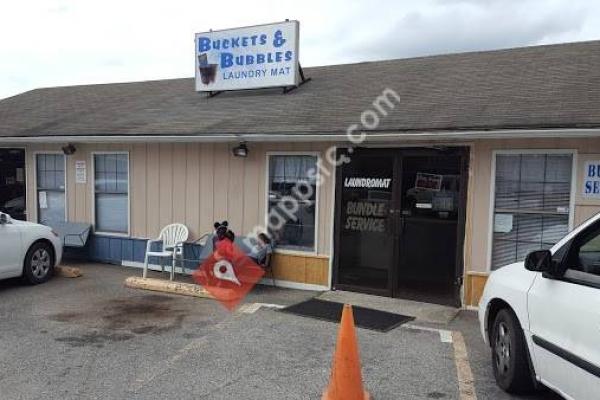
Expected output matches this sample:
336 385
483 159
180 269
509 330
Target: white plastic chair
172 238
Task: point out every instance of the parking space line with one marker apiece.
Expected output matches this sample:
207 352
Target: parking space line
466 383
251 308
445 335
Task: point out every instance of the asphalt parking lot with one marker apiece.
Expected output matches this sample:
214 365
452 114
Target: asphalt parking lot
92 338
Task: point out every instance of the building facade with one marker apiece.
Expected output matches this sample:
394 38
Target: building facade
485 157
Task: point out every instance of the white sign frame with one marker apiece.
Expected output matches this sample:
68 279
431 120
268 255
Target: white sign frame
254 75
590 184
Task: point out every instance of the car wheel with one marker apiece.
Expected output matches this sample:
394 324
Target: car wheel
39 263
510 357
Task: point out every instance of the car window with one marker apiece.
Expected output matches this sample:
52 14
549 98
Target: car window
585 253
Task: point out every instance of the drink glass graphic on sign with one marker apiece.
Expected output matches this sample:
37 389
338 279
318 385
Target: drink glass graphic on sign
228 274
208 72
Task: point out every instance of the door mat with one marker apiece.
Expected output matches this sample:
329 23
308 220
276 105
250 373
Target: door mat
367 318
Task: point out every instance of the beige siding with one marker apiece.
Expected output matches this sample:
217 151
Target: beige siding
207 194
152 191
236 190
220 171
252 177
192 187
165 185
138 173
198 183
191 183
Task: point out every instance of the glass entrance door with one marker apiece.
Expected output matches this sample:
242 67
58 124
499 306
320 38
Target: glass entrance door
430 250
400 223
366 230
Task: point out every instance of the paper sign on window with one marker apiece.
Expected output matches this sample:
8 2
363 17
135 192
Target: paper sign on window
503 223
43 200
20 172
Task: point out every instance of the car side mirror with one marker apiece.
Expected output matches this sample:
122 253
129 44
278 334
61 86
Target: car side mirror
541 261
4 219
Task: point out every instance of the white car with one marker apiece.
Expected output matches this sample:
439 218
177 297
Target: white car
27 250
541 318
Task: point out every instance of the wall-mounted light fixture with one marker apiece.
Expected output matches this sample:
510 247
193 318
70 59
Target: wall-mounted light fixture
69 149
240 151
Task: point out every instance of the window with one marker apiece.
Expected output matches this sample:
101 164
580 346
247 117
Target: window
111 192
531 204
584 255
50 177
290 175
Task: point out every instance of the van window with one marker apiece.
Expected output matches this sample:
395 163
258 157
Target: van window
589 255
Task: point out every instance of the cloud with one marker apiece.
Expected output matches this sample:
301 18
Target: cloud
465 25
65 42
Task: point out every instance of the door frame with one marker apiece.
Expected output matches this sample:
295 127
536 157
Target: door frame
398 153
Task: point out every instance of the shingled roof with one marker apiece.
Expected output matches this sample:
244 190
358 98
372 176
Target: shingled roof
555 86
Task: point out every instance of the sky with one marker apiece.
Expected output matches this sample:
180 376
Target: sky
68 42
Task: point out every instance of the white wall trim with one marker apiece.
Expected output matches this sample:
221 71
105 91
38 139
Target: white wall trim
299 253
495 153
263 281
152 267
294 285
313 137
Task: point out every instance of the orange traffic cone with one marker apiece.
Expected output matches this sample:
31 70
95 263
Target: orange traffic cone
345 382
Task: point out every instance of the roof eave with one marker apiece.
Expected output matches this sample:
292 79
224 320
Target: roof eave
372 136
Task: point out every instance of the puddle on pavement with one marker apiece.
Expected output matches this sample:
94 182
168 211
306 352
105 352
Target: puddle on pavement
96 339
122 319
435 395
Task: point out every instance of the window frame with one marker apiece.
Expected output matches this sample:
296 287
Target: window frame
35 182
93 189
492 192
316 154
575 276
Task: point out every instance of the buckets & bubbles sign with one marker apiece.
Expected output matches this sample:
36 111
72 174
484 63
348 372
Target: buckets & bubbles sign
247 58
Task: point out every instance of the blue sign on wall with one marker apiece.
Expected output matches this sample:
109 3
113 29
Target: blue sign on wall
591 179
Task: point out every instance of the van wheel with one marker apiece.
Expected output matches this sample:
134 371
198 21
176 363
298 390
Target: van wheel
510 354
39 263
